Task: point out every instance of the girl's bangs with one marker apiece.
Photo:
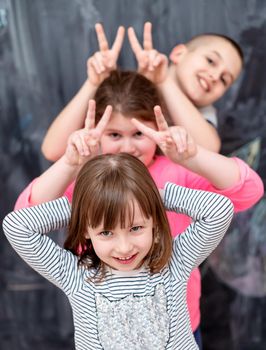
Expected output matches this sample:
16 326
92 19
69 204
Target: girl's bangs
112 208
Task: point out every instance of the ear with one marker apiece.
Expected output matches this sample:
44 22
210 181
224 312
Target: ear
177 53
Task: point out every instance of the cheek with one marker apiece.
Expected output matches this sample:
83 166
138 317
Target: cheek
146 239
219 91
149 147
146 144
100 248
148 242
108 146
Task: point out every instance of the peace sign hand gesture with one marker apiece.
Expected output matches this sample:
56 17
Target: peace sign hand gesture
104 61
174 141
151 63
84 144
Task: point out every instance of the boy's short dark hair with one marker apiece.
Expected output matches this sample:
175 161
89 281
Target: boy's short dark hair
222 36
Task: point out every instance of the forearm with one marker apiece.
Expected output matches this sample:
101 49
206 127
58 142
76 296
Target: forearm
222 172
184 113
53 182
25 229
71 118
211 214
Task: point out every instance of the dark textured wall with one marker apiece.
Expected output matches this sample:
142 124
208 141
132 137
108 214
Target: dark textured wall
44 45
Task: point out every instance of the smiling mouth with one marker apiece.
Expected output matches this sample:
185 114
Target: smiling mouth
204 84
126 260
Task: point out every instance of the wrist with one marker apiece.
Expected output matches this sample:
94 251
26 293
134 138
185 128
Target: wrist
191 160
91 86
69 167
166 84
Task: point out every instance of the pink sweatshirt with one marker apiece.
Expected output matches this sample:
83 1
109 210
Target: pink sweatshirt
244 194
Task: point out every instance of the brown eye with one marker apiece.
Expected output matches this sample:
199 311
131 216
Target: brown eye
138 133
115 135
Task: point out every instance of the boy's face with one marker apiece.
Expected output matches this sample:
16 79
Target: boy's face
205 72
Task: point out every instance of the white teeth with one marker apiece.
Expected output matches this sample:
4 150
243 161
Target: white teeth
203 83
127 258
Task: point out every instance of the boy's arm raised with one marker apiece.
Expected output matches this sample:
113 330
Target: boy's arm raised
154 66
72 117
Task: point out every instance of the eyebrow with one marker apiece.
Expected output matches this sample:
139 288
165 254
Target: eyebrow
221 59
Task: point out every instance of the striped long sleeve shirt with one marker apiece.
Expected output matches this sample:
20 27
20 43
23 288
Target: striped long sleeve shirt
139 310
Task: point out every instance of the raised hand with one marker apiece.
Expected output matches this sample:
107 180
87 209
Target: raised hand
151 63
174 141
104 61
84 144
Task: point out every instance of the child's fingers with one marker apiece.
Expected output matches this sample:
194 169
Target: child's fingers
180 141
152 56
116 47
90 118
102 41
151 133
99 59
109 61
159 59
160 120
182 138
147 36
78 144
104 119
143 61
95 62
135 45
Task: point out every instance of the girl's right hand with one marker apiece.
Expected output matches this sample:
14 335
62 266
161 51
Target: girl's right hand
104 61
151 63
174 141
84 144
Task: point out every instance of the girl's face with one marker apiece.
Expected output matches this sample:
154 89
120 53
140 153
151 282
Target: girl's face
123 249
120 135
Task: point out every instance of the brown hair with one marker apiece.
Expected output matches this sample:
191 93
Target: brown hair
101 195
130 94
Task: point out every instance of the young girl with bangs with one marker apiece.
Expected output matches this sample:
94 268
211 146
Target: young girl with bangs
122 118
127 286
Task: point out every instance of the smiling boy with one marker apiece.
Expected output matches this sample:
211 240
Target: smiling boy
205 68
200 72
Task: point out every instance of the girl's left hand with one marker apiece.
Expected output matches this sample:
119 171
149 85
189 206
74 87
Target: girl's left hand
174 141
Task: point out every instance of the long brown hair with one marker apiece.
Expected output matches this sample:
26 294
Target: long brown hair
103 187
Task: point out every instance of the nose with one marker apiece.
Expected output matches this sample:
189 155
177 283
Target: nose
124 246
128 146
214 75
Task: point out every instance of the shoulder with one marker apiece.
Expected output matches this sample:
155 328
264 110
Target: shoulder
163 170
162 165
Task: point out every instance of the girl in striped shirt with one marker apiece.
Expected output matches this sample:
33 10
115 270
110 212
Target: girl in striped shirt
124 275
